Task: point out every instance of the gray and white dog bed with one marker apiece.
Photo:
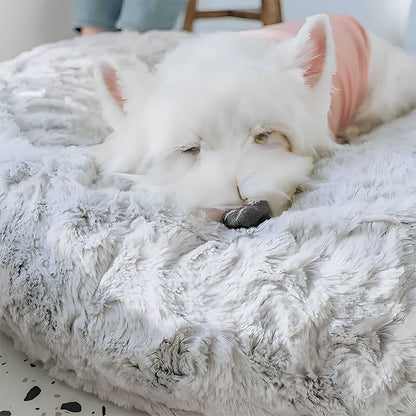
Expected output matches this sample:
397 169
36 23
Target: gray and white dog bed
312 313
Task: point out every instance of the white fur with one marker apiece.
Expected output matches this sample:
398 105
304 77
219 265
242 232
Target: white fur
391 90
311 313
217 92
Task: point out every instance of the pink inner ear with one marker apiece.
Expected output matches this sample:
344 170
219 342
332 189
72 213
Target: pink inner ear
111 81
313 56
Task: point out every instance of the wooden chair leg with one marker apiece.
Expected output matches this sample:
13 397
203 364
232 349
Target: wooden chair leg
190 15
271 12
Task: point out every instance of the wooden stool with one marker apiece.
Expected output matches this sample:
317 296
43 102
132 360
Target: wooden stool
269 13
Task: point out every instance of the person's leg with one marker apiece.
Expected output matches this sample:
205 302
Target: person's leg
93 16
143 15
88 31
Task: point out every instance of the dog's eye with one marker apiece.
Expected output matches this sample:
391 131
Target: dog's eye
261 138
192 150
273 139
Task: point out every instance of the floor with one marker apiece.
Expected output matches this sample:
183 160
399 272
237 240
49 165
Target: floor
27 390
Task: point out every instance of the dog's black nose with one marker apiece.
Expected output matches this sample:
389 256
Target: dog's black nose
247 216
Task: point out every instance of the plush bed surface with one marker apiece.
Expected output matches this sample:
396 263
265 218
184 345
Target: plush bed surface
117 293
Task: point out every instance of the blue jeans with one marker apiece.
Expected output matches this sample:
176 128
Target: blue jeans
140 15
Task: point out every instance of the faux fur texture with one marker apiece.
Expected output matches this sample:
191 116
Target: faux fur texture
312 313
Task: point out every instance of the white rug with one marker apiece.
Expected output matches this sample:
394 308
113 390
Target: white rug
312 313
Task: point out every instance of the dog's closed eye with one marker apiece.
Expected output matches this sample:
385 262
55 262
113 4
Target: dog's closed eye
194 150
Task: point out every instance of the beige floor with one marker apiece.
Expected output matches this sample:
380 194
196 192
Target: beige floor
20 380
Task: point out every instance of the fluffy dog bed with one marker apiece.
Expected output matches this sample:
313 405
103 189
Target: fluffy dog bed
311 313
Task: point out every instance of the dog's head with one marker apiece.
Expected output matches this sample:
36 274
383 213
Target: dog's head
225 119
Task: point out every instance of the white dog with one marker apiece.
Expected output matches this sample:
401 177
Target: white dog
228 120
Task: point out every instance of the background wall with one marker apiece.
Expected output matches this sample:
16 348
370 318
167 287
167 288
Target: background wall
27 23
388 18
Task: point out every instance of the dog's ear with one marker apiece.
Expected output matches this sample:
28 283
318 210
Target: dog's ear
315 52
109 90
122 88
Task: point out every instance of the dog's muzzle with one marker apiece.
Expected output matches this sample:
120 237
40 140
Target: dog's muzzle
250 215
